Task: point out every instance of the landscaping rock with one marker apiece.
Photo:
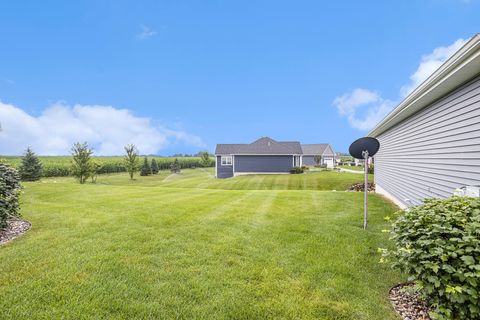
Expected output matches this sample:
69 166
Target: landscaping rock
14 229
408 303
360 187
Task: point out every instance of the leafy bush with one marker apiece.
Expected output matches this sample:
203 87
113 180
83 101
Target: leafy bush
305 168
10 188
31 168
296 170
438 245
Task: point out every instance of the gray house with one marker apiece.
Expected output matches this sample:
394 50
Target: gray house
430 143
265 156
324 150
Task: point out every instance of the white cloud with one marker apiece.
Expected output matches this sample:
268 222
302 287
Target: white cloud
146 33
365 108
105 128
429 64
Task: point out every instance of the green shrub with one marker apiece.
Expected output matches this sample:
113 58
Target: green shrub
10 188
296 170
438 245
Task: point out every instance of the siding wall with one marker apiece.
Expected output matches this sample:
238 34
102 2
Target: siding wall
223 171
308 161
434 151
263 163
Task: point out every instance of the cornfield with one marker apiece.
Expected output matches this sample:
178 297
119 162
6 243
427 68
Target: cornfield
59 166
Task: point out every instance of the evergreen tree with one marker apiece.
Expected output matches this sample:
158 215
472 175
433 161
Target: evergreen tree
154 166
146 170
31 168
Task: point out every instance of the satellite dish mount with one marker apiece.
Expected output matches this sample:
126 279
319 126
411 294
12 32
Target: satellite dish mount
364 148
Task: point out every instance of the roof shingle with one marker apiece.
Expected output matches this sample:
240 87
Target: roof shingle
263 145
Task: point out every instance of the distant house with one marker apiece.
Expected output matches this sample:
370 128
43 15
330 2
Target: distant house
266 156
430 143
324 150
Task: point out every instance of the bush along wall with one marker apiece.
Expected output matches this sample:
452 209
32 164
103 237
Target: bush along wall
10 188
438 245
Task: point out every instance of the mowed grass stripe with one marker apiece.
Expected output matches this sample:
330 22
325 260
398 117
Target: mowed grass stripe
145 249
204 178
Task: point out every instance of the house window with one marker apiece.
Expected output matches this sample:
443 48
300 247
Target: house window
226 160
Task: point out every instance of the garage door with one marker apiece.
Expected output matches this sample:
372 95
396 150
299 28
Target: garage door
329 162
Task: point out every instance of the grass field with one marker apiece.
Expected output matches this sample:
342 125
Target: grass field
192 247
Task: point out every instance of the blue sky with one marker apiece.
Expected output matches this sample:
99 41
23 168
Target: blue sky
181 76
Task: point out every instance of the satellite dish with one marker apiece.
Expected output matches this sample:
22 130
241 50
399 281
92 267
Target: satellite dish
359 146
362 149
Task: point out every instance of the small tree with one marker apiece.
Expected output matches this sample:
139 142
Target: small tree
9 194
205 159
317 158
146 170
175 166
94 167
154 166
131 159
30 168
81 162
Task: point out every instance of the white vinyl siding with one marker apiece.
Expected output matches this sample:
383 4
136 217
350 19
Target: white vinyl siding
434 151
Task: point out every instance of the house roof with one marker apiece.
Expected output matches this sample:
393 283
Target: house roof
264 145
314 149
460 68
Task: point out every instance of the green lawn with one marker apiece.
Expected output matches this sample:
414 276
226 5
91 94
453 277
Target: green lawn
192 247
205 179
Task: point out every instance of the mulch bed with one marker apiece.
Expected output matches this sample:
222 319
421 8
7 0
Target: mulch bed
14 229
408 303
360 187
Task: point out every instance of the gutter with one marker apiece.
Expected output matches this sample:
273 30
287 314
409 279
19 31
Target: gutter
463 66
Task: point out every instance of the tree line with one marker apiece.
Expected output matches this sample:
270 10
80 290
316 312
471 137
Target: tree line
84 167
